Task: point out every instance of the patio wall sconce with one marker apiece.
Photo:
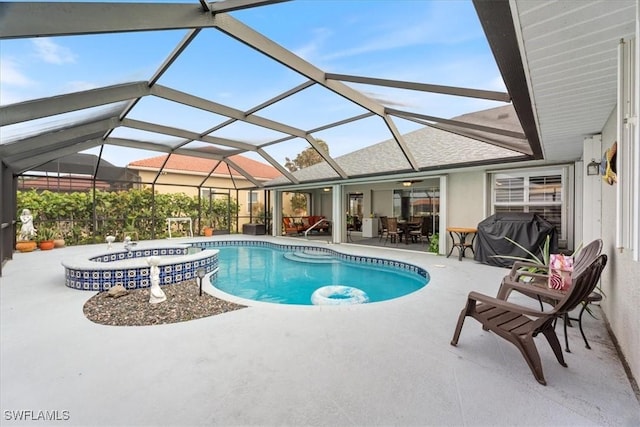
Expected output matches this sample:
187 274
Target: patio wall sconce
200 272
593 168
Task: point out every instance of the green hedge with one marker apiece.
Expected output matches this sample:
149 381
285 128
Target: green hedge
72 213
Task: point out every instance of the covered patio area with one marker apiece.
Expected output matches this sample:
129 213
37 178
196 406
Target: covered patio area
384 363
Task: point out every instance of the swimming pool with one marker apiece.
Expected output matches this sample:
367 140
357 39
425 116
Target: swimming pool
288 274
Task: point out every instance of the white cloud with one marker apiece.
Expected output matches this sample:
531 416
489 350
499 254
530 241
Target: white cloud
408 35
10 74
312 48
497 84
11 77
439 24
8 97
50 52
401 37
78 85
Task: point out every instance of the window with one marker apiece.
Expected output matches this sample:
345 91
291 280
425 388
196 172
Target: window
296 204
416 202
218 208
355 214
253 198
541 192
355 204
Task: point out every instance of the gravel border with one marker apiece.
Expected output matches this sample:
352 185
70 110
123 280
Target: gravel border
183 304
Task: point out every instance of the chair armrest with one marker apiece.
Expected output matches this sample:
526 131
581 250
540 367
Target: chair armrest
476 296
525 264
508 285
516 277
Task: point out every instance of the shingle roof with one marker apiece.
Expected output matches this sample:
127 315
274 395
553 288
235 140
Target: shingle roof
430 147
197 164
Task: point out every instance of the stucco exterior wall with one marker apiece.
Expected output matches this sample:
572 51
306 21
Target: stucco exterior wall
465 200
621 277
184 183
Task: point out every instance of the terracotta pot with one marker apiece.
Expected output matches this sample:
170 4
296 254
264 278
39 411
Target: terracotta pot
208 231
26 245
58 243
46 245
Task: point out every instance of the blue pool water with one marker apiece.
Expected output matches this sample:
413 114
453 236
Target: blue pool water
290 277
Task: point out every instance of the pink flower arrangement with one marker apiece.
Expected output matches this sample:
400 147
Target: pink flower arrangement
560 269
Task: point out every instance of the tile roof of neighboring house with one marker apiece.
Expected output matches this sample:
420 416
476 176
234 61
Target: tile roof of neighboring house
179 162
63 183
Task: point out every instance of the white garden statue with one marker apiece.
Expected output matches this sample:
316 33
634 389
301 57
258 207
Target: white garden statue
156 294
27 231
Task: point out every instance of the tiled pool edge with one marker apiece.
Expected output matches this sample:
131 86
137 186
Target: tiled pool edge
401 265
101 272
130 269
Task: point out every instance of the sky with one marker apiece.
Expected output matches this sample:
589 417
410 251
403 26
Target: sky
435 42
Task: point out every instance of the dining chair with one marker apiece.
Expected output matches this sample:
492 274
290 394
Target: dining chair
392 230
383 228
418 232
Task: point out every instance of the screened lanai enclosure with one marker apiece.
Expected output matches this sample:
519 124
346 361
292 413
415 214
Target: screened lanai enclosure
89 88
85 208
234 111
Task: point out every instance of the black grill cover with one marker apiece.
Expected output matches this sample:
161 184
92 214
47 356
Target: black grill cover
528 229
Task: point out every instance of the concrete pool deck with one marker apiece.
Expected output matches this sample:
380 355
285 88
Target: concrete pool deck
386 363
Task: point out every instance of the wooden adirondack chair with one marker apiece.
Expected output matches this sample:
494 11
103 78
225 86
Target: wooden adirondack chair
537 285
520 325
584 258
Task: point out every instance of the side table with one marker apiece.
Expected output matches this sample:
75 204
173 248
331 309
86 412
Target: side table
459 239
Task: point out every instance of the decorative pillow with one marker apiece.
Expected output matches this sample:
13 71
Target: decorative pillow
560 270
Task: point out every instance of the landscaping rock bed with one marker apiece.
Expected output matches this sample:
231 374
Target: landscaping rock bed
133 309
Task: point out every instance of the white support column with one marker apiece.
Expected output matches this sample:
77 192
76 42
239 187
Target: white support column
622 141
591 191
338 230
578 221
276 202
635 185
444 201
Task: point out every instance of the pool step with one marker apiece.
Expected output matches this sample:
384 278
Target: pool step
311 256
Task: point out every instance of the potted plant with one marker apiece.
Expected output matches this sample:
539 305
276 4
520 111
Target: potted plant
535 264
45 238
26 245
208 229
434 243
27 232
130 228
58 240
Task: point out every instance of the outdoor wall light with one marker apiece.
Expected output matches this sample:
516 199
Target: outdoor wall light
593 168
326 189
200 272
406 183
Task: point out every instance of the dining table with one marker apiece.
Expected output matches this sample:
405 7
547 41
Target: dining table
407 227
